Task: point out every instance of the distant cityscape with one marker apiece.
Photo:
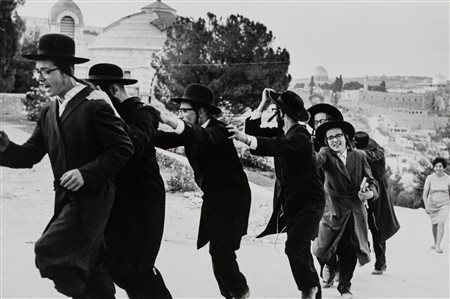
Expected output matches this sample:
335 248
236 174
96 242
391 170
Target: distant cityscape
405 119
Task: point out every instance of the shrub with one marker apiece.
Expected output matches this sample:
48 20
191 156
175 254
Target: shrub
181 183
249 160
408 199
182 179
34 101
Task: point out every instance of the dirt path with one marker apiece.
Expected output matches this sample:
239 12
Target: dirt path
414 271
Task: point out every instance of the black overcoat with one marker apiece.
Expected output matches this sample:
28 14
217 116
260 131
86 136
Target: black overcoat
219 174
382 208
298 188
135 229
342 183
88 137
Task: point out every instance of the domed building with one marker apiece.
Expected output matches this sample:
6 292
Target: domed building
320 74
131 42
128 42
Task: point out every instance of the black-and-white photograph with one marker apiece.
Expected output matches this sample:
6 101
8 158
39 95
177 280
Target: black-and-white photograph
160 149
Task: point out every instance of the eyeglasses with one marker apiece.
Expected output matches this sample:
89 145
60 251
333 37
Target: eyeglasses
337 136
321 121
44 72
184 110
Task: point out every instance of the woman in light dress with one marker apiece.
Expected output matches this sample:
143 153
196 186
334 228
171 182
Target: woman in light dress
437 200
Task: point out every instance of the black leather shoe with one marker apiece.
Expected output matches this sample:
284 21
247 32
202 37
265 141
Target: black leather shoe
244 295
379 271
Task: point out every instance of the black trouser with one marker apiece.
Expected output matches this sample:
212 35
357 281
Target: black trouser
346 257
232 282
143 285
98 284
301 261
379 246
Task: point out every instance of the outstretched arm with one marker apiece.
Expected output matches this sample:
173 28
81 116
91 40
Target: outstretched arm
22 156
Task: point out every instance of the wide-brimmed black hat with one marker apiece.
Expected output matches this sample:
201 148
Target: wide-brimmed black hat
108 73
290 103
324 108
199 94
346 127
361 140
55 46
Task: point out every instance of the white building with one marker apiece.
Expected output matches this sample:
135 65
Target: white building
128 42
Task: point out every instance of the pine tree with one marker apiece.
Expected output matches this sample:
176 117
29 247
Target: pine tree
11 29
233 57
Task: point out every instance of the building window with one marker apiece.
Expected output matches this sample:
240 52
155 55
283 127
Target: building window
127 74
68 26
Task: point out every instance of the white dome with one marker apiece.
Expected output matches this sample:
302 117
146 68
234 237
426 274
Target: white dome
439 80
320 73
143 30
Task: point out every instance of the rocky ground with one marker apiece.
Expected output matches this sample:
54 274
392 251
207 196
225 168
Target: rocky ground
414 270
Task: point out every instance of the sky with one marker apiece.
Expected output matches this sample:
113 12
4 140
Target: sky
352 38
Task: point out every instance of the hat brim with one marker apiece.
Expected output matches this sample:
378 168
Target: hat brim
71 59
303 116
324 108
346 127
110 81
212 109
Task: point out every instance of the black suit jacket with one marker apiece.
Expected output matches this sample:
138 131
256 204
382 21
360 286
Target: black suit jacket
298 188
382 209
219 174
135 229
88 137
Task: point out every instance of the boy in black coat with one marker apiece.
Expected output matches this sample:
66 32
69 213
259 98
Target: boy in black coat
299 196
219 174
135 228
87 146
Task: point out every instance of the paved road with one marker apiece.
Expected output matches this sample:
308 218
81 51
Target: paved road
414 271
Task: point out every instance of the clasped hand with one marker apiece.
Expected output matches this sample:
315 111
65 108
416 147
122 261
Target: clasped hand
364 196
72 180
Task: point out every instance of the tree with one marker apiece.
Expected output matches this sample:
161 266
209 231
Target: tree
383 86
336 88
11 29
24 67
312 84
233 57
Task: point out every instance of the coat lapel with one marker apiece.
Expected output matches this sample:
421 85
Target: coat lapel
74 103
350 163
341 167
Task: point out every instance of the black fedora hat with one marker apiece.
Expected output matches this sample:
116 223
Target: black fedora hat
108 73
324 108
290 103
346 127
55 46
361 140
199 94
